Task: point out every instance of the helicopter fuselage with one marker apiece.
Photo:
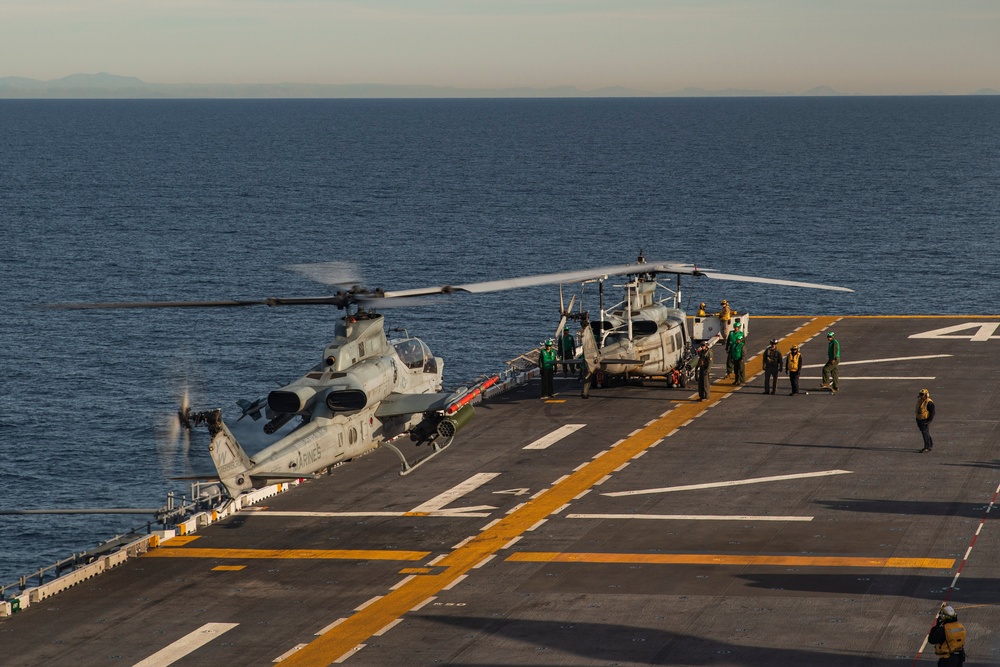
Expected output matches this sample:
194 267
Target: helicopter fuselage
343 404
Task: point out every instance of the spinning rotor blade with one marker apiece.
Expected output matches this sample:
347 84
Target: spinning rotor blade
342 275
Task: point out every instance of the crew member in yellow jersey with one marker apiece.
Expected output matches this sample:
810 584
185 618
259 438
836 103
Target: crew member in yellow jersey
793 366
948 637
925 415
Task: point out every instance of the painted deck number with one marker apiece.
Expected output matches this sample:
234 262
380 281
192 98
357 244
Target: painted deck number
985 332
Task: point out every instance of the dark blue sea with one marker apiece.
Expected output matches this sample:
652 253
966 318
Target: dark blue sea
896 198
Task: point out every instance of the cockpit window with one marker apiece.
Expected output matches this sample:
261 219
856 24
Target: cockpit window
411 353
430 363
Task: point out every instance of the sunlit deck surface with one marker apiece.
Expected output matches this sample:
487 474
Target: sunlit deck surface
638 527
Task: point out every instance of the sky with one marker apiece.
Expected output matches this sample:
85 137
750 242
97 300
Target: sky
781 46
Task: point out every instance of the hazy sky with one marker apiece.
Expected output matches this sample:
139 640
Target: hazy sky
854 46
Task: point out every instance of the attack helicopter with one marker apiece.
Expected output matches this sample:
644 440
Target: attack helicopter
369 391
642 336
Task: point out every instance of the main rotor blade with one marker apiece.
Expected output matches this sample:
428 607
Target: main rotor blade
333 300
770 281
549 279
600 273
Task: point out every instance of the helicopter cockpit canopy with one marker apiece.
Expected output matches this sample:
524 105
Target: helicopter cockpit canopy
414 353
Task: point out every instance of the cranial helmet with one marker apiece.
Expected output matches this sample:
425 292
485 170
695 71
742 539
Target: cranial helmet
774 341
737 325
830 335
548 343
923 392
947 613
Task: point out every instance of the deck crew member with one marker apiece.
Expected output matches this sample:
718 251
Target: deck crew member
831 378
948 637
567 349
725 316
772 367
701 310
735 343
925 415
793 366
704 371
547 366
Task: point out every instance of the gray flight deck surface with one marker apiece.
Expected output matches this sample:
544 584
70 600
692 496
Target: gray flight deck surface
582 551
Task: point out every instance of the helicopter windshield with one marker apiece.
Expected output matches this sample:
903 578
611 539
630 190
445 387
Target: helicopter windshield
411 352
430 363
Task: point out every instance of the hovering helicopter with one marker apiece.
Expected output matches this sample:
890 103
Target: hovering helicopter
641 336
369 391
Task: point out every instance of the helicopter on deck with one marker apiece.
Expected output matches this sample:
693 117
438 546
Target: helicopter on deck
369 391
644 336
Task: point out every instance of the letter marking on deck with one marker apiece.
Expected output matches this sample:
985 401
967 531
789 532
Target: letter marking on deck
554 437
187 644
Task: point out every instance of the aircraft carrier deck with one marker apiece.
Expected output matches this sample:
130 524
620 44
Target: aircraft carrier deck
638 527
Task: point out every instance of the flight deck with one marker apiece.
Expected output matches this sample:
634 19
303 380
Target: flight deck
638 527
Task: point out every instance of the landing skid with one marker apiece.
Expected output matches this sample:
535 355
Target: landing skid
406 466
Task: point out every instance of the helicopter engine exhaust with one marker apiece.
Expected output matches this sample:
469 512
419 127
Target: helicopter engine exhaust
290 399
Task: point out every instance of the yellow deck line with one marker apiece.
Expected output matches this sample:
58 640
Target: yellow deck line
722 559
347 636
299 554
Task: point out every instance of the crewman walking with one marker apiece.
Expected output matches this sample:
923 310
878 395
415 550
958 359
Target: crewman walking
704 371
735 343
925 415
793 366
772 367
948 637
567 349
831 377
547 366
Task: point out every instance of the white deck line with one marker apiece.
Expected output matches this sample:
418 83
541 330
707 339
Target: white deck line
187 644
555 436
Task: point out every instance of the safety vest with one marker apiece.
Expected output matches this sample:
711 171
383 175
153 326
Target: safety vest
724 314
923 412
736 342
954 639
794 359
547 359
833 350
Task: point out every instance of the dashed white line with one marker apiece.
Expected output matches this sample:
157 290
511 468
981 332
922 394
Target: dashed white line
331 626
370 602
390 626
297 647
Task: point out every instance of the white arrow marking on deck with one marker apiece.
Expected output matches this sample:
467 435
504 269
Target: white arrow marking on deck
879 361
737 482
985 333
555 436
437 503
186 644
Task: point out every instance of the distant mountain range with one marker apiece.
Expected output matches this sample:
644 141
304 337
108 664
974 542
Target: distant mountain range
105 86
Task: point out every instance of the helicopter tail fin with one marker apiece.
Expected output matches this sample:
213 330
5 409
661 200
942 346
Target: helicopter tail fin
591 355
231 462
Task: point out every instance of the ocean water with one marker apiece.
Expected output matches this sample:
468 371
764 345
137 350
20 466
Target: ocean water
896 198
